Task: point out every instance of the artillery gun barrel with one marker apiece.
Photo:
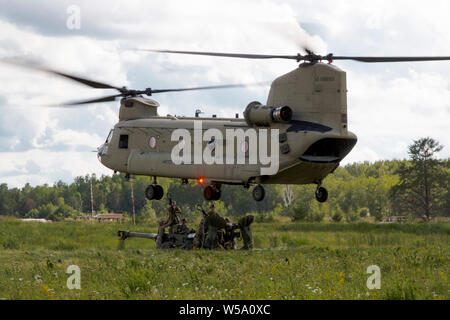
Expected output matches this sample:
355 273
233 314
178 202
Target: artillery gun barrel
127 234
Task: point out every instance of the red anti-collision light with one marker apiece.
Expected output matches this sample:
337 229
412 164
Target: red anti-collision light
200 180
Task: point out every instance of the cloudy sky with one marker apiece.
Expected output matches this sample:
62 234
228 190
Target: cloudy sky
389 105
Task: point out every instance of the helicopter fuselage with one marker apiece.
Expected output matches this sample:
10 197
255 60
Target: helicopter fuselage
311 143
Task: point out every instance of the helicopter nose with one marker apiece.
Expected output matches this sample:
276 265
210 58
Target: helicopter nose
101 151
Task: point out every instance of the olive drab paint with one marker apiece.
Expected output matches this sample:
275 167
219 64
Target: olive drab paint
311 142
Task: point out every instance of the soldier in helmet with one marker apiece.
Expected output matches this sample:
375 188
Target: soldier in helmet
228 240
214 224
199 234
172 220
212 210
183 226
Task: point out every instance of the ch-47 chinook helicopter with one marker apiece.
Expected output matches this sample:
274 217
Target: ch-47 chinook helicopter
307 105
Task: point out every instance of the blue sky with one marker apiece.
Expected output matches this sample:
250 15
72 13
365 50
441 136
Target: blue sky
389 105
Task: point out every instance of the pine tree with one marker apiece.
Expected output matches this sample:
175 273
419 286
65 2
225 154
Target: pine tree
419 188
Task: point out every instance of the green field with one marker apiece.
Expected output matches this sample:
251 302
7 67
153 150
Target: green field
290 261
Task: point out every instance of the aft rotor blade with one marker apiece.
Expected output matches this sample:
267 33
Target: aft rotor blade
309 57
32 66
210 87
390 59
231 55
96 100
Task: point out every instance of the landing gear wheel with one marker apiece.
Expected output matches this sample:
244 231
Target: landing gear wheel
217 194
154 192
159 192
258 193
321 194
150 192
208 193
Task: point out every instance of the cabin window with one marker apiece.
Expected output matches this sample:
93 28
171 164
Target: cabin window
181 143
123 141
152 142
244 147
212 144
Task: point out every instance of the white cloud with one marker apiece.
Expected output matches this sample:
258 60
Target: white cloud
43 166
388 104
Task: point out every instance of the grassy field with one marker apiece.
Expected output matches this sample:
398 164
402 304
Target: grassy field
290 261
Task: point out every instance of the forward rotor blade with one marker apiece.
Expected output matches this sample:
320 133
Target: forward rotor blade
96 100
231 55
87 82
211 87
390 59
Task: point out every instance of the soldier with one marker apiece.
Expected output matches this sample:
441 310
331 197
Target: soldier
199 234
228 241
213 225
244 224
172 220
212 210
183 226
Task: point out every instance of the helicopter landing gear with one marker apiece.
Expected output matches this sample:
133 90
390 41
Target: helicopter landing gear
258 193
154 191
321 194
212 192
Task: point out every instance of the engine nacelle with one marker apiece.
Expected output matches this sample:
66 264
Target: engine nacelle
260 115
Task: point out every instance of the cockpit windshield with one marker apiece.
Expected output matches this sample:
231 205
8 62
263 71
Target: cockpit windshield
108 140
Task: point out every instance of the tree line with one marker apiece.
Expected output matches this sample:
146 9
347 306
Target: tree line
414 187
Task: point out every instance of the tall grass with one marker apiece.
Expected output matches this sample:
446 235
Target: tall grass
290 261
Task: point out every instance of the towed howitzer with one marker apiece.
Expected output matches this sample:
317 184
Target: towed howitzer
177 239
217 233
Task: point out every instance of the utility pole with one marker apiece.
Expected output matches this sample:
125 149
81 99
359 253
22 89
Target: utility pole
92 201
132 203
81 203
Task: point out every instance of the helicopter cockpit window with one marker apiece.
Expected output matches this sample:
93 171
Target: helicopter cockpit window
108 140
123 141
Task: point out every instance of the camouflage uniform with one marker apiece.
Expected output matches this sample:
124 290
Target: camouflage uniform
198 238
172 220
183 228
172 217
228 241
213 223
244 224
